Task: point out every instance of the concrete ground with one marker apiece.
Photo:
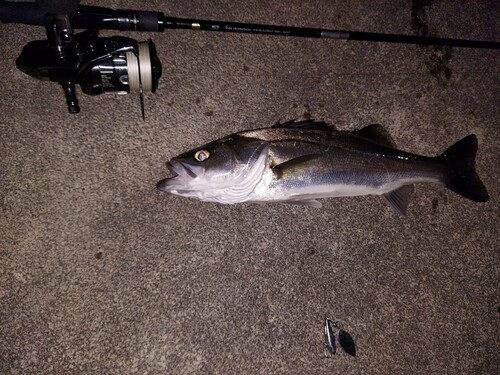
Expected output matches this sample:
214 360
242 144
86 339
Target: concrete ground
102 274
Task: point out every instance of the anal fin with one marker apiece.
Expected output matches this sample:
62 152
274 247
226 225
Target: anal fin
400 198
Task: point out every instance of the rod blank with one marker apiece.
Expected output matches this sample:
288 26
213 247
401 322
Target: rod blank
306 32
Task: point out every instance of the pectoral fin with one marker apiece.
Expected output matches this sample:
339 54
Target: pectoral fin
400 198
293 166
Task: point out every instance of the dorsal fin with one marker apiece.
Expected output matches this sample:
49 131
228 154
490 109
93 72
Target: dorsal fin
305 124
378 134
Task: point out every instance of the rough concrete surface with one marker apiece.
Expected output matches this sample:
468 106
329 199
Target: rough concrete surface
102 274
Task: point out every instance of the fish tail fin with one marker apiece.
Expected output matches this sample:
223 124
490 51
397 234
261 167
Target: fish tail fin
461 176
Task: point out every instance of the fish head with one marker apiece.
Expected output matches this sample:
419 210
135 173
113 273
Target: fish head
225 171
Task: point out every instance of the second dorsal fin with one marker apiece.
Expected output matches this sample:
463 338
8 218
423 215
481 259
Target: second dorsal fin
378 134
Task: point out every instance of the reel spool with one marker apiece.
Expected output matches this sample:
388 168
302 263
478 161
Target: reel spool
144 70
140 69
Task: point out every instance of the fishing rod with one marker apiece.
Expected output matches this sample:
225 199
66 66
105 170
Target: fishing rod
122 65
307 32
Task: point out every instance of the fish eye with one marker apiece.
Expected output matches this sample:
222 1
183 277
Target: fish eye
201 155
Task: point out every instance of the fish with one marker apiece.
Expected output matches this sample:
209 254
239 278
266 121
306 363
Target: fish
299 162
329 338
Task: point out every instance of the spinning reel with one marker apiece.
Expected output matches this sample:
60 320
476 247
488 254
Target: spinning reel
115 65
122 65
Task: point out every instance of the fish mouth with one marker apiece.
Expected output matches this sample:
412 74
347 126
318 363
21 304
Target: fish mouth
181 173
178 168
